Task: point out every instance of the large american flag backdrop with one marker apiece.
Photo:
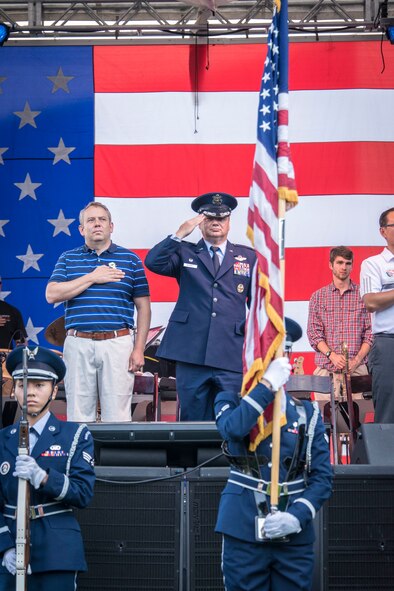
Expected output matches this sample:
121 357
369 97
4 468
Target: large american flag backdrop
145 129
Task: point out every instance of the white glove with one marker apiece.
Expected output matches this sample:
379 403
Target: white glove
27 468
278 372
9 560
281 524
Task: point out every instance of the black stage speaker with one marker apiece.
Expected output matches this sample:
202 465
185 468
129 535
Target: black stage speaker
358 531
375 445
205 546
176 445
131 531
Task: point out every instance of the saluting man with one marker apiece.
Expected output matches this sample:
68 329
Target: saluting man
264 551
60 470
204 334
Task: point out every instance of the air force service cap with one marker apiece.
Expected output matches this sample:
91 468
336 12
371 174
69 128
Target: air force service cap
42 364
215 205
293 330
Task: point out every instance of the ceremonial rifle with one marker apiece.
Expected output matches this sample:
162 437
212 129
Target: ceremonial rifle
23 502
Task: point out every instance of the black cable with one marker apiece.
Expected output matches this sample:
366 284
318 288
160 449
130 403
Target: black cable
196 109
382 54
21 335
173 477
206 33
382 13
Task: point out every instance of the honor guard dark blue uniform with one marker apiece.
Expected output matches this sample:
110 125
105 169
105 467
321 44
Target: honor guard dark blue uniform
204 334
252 559
60 469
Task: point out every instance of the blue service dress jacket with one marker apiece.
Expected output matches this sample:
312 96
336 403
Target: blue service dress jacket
205 327
310 487
65 451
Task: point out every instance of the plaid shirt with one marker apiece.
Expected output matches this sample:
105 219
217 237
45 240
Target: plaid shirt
335 319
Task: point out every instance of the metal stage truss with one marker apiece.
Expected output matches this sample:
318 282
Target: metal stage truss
147 21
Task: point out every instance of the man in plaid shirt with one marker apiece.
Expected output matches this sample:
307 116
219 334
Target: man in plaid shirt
338 315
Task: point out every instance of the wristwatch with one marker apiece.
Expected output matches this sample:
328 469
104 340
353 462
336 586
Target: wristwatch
328 353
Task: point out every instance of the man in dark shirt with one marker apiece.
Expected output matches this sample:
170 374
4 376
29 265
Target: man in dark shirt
12 328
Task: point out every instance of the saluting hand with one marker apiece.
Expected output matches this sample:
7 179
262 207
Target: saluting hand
107 274
187 227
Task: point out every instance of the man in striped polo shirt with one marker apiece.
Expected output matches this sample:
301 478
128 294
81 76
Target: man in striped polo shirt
100 283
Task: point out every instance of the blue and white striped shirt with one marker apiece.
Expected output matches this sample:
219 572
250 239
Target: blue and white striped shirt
107 306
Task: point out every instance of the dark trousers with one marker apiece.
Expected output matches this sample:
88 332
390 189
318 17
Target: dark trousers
266 566
381 366
52 581
197 387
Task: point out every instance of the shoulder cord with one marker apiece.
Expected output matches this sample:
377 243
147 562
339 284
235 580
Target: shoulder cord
311 434
74 447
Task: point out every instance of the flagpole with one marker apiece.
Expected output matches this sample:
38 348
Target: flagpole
275 457
272 191
277 410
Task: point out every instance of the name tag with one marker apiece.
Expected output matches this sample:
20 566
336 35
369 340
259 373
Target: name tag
190 265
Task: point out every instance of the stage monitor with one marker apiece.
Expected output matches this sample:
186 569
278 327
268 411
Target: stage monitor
181 445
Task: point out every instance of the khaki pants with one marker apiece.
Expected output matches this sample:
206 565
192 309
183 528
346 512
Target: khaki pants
98 370
339 383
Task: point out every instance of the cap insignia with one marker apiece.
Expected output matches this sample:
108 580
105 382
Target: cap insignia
217 199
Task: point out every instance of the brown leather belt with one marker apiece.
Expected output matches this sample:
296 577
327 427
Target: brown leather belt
98 336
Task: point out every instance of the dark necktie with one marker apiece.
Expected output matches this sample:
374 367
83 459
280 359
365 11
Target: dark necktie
33 440
215 258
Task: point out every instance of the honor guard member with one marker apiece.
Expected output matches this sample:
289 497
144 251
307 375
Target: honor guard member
264 551
60 470
204 334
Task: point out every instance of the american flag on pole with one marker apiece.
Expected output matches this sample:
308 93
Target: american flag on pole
273 179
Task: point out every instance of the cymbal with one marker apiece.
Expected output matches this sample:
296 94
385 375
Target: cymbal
56 332
5 372
7 387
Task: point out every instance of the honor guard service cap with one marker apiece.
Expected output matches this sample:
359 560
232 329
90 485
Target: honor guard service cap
215 205
292 328
42 364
